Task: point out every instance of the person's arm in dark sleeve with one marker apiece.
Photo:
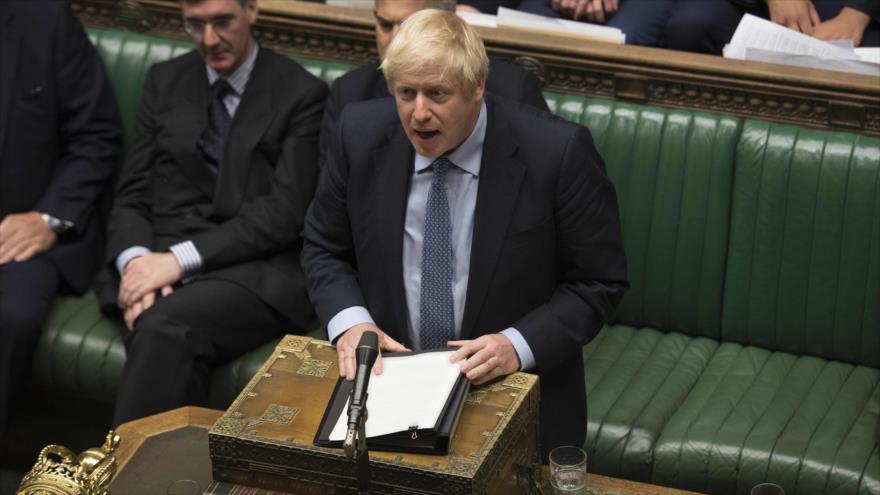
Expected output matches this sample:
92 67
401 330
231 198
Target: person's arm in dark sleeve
328 122
131 216
328 252
88 127
591 260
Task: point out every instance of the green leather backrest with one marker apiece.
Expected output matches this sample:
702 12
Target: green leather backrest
127 57
673 172
803 274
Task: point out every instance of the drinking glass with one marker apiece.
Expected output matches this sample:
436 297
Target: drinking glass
568 470
767 489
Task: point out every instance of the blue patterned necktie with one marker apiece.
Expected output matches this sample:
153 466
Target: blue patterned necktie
435 304
213 139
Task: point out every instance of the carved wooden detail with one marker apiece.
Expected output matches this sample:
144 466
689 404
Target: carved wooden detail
808 97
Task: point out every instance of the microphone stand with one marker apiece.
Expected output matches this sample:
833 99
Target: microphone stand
363 456
356 449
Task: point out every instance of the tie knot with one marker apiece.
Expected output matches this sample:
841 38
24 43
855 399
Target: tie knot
440 166
220 89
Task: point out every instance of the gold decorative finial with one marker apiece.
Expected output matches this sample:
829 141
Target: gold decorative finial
59 471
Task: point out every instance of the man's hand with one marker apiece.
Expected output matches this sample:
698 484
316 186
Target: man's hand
849 24
23 235
596 11
346 347
488 357
147 274
131 313
799 15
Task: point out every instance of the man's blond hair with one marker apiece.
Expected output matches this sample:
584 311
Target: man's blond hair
437 40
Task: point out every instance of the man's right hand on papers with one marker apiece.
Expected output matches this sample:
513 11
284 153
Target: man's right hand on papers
799 15
346 347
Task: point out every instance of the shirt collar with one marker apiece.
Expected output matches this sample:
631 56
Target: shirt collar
469 155
239 79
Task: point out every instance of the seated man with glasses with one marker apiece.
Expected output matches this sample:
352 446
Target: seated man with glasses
205 228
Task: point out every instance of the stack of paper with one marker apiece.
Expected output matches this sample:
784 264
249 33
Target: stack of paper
521 20
759 39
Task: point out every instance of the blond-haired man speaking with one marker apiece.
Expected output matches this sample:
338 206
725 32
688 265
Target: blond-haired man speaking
447 217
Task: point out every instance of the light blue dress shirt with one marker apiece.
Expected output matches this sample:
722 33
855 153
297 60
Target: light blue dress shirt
186 253
462 183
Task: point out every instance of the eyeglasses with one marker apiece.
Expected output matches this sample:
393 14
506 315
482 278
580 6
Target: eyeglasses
220 25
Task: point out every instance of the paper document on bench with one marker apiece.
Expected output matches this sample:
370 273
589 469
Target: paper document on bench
531 22
755 32
411 392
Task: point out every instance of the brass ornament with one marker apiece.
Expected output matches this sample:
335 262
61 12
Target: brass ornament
59 471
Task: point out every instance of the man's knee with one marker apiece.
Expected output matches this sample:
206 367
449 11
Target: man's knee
688 29
20 322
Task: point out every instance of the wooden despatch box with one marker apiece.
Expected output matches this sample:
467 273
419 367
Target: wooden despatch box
265 439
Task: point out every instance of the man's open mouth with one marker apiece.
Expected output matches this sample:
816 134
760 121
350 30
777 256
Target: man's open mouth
427 134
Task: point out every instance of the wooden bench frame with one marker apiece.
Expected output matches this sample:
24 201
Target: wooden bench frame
808 97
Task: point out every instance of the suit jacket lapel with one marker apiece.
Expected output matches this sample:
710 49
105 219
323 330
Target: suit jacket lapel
251 119
187 123
393 169
501 175
8 59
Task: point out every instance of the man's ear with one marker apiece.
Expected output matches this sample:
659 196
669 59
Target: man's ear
251 10
481 90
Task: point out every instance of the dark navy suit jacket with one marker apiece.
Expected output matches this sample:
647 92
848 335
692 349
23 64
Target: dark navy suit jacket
547 256
59 129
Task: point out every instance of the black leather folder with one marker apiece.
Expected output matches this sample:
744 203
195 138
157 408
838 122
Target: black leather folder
420 439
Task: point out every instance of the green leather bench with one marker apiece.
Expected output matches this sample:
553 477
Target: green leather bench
748 347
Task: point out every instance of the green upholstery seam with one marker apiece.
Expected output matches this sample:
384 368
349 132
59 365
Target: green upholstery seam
713 443
104 359
616 358
687 430
767 407
705 228
683 174
848 431
754 231
624 389
794 414
813 232
872 258
79 309
827 411
651 399
739 400
840 281
649 235
778 307
598 383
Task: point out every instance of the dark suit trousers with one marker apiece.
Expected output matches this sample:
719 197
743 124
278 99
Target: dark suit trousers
178 342
26 292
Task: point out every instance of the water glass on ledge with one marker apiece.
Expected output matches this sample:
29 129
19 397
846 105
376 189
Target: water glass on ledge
568 470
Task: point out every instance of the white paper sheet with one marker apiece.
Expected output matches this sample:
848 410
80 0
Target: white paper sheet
411 391
475 19
755 32
516 19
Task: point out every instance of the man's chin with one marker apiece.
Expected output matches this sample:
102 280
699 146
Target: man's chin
222 65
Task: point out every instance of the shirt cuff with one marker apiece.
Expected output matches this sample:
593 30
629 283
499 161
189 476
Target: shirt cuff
188 258
128 255
526 358
346 319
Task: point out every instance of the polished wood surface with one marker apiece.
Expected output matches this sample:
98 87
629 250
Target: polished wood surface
134 433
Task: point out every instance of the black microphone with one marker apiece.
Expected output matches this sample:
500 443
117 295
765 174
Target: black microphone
365 357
